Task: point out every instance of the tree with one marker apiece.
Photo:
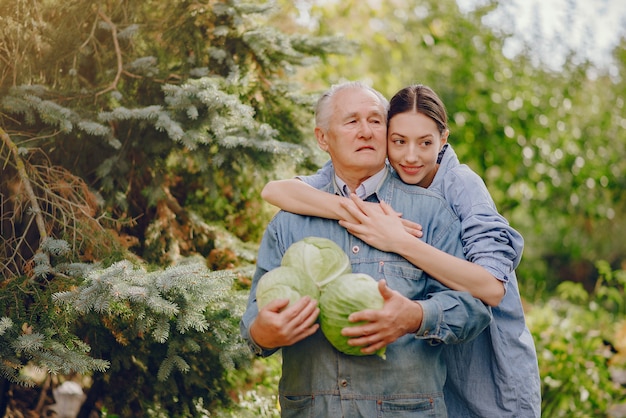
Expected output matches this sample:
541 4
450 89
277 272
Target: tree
538 136
139 131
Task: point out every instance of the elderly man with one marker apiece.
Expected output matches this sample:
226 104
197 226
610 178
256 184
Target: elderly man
419 313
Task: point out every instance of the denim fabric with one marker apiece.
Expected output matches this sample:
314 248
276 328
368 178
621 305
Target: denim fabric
496 375
488 239
317 380
320 179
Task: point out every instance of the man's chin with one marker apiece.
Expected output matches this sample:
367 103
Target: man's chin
373 166
371 160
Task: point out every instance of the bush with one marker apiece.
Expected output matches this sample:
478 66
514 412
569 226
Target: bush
578 350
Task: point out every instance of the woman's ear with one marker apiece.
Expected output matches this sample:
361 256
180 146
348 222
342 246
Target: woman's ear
444 138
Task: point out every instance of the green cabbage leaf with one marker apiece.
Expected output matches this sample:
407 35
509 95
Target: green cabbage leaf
319 258
319 268
285 283
347 294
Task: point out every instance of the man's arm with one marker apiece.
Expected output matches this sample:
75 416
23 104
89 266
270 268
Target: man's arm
275 325
446 316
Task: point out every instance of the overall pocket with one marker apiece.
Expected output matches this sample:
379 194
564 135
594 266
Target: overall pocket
296 406
404 278
416 407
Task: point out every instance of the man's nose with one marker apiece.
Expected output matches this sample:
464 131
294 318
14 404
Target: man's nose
365 130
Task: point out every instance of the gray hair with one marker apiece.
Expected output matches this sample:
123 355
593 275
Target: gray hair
324 110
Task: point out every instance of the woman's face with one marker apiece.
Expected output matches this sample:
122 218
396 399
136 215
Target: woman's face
413 145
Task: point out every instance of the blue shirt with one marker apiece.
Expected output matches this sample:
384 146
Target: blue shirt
319 381
495 375
365 189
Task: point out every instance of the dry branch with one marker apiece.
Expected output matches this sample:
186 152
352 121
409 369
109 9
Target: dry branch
30 194
40 200
118 54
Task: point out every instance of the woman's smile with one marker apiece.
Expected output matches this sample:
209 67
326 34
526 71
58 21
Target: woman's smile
411 170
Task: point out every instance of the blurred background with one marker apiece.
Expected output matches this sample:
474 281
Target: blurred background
136 138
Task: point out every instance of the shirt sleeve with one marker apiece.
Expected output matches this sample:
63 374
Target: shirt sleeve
488 239
450 316
269 252
321 178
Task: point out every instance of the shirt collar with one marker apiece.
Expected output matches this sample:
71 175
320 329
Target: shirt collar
365 189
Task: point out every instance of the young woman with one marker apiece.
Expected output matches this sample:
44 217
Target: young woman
495 375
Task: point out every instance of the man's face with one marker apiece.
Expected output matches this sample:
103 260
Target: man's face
356 138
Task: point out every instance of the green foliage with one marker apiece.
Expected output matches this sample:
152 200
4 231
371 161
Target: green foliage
162 339
181 291
257 390
610 290
181 103
170 335
162 109
32 330
20 346
549 145
576 336
153 125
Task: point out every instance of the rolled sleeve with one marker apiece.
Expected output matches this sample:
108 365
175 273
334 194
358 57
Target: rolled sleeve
453 317
489 240
244 327
431 320
270 254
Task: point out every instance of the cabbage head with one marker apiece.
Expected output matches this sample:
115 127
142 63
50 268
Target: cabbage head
319 258
347 294
285 283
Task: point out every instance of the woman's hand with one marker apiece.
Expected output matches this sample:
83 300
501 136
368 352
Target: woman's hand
377 224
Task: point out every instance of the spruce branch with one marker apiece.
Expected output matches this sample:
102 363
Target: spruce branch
177 296
19 347
182 307
5 324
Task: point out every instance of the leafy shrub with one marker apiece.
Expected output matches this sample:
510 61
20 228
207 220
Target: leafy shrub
575 335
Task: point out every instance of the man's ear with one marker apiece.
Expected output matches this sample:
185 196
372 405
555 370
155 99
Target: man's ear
321 139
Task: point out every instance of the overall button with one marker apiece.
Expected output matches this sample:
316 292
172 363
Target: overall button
355 249
343 383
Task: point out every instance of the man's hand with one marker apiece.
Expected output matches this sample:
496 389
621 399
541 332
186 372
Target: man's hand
277 325
398 316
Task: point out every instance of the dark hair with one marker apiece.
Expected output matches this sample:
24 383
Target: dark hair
421 99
